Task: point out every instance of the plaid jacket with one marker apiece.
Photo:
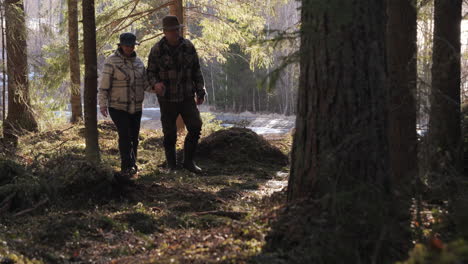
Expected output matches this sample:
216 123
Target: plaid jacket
178 68
123 83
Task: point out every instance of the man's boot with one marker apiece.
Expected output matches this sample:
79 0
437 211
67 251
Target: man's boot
125 172
189 153
171 158
134 167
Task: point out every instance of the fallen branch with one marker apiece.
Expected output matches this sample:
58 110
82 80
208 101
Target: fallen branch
232 215
32 209
5 205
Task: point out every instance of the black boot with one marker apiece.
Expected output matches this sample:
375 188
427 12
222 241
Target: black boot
125 174
189 153
171 158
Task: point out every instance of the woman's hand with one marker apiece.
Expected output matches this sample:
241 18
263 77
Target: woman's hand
159 88
104 111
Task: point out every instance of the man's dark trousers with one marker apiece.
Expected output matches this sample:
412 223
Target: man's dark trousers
128 127
191 116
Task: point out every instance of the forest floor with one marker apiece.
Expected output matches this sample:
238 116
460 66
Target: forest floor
57 208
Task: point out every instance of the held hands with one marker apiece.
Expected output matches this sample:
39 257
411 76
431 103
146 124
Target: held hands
200 100
159 88
104 111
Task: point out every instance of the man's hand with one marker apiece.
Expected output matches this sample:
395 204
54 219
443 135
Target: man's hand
200 100
159 88
104 111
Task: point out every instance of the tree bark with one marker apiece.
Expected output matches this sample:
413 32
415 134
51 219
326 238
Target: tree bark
444 119
212 85
2 20
402 76
341 131
402 80
177 9
90 90
20 115
340 154
75 100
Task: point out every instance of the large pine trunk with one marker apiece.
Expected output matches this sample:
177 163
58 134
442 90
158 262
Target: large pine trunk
341 130
20 115
339 193
75 100
402 79
402 76
444 118
90 90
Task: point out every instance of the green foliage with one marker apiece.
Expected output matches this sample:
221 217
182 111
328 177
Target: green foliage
44 179
19 185
213 27
140 222
210 123
226 22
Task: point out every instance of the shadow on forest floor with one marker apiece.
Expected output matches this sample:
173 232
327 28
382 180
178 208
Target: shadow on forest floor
57 208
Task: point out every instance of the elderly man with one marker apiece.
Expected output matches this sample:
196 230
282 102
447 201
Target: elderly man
175 75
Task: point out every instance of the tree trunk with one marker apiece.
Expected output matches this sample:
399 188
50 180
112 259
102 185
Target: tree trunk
340 149
177 9
212 86
402 75
444 118
20 115
402 80
90 90
75 92
341 115
2 20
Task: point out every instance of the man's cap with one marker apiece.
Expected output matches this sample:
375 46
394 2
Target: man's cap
171 23
128 39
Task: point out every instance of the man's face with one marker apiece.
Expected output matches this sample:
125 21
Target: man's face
127 50
172 35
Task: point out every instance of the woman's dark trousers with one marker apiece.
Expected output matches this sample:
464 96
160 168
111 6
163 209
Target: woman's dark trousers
128 127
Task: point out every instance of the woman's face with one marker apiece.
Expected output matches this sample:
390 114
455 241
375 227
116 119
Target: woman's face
127 50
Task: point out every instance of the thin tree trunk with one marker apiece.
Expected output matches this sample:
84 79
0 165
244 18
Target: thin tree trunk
254 109
226 93
444 118
75 100
177 9
90 91
20 115
212 85
2 20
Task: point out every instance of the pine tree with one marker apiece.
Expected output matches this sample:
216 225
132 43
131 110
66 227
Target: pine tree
90 91
20 114
75 100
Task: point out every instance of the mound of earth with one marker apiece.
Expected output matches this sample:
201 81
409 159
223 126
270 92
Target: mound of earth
238 146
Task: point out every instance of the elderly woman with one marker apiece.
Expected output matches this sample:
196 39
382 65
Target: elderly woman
121 94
